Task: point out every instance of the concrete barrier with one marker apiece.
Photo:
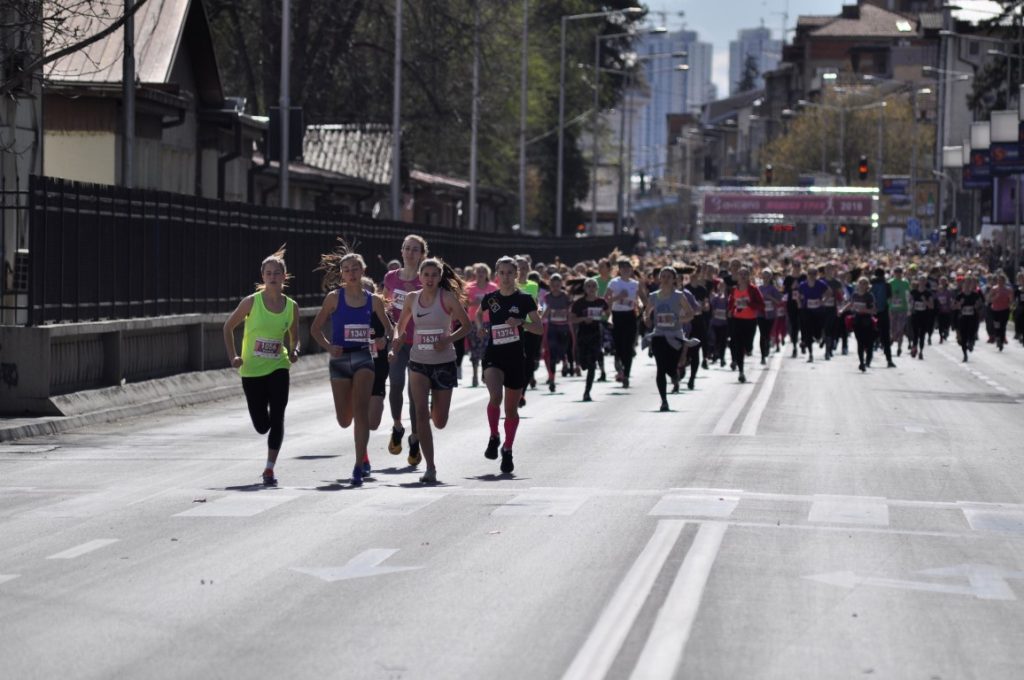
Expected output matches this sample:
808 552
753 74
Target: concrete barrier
38 365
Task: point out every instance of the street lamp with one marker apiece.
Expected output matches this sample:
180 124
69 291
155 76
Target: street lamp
629 11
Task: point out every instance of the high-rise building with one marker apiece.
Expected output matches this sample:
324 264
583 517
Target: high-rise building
755 43
665 90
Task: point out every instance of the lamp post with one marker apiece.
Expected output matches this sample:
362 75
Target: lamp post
396 119
524 60
560 182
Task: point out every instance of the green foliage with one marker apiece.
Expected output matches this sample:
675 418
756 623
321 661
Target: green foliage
816 130
342 71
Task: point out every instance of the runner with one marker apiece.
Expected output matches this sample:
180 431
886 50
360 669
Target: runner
999 297
381 368
432 368
588 313
882 292
745 303
862 305
790 294
475 292
719 331
349 307
1018 310
559 331
531 343
967 305
943 307
512 313
810 294
623 295
921 304
270 344
766 317
667 311
398 283
898 305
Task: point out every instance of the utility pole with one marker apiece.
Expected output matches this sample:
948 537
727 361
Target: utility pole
474 124
128 94
396 120
522 115
285 100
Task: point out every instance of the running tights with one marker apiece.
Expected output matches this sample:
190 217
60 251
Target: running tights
267 397
624 338
741 332
764 333
396 386
864 331
666 358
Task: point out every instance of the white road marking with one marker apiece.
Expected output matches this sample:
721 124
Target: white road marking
764 395
914 429
725 423
695 505
994 517
849 510
597 654
985 582
84 549
664 649
396 502
362 565
4 578
243 504
544 502
976 373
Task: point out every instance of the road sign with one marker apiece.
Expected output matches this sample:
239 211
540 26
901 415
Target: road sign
362 565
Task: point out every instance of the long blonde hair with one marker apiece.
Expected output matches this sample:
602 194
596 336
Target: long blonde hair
278 257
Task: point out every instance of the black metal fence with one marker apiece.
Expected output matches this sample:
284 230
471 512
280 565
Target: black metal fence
101 252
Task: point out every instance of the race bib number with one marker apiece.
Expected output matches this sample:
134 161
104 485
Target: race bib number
426 339
830 302
720 314
559 316
741 303
357 332
398 301
859 307
920 306
503 334
813 303
967 311
594 313
266 349
769 306
666 320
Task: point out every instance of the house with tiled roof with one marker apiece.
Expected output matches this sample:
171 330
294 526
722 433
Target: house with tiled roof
189 138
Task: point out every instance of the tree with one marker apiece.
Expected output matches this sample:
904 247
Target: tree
61 28
996 83
343 67
811 142
748 79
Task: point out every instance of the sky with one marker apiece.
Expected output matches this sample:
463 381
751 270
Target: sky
719 21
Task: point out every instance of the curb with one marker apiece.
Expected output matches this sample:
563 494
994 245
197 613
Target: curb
110 404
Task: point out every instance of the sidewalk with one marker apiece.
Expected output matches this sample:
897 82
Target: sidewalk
91 407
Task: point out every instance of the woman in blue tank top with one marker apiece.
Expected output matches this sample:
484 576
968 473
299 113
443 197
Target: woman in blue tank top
351 366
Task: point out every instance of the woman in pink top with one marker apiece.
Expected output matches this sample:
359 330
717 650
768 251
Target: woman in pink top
475 292
397 285
999 297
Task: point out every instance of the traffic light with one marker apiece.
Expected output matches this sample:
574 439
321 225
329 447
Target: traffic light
862 167
768 172
843 230
952 230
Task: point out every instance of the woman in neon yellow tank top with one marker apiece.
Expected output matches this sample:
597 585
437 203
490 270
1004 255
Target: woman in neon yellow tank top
270 344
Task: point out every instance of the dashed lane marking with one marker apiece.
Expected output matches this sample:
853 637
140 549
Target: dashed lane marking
849 510
84 549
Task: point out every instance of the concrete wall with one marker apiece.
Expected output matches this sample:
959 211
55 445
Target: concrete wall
81 156
39 363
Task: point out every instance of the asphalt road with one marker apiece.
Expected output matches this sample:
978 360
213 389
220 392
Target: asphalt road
812 523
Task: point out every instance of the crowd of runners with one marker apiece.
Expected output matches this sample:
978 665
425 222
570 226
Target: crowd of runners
410 333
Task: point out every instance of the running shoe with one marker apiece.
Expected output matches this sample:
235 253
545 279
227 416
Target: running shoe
743 378
367 469
395 444
704 364
603 378
586 396
551 386
862 369
522 401
689 383
357 476
891 365
625 382
268 478
492 447
763 361
691 342
664 407
414 452
507 465
429 477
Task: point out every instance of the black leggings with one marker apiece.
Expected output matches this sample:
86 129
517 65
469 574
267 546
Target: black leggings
999 321
741 332
267 397
864 330
764 333
698 330
666 358
624 338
